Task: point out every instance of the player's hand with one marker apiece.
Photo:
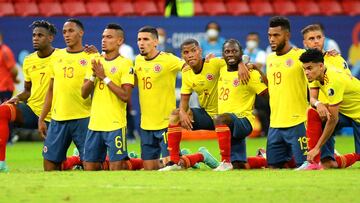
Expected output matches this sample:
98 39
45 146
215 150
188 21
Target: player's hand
186 120
323 112
42 128
209 56
244 74
332 52
312 154
15 100
98 69
90 49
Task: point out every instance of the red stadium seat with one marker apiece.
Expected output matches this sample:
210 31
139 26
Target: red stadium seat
351 7
308 8
146 8
50 9
7 9
122 8
76 8
214 8
284 7
198 10
330 7
236 7
26 9
97 8
161 5
261 8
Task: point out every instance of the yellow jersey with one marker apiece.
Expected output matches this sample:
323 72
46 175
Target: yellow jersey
204 84
237 98
334 62
38 71
68 72
287 89
108 112
343 89
156 81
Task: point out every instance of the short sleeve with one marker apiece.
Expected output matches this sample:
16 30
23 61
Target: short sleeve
256 83
127 74
176 63
314 85
335 92
26 70
186 87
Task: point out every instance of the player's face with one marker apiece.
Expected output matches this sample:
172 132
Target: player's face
277 38
314 40
72 34
232 54
41 38
191 54
111 40
313 70
146 43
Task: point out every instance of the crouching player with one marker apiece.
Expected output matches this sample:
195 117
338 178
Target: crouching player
111 80
236 102
342 92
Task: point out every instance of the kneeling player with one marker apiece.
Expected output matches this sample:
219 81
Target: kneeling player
236 102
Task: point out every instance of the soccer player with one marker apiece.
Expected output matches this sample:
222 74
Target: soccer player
111 80
69 111
314 38
156 75
287 88
236 104
342 93
25 108
201 77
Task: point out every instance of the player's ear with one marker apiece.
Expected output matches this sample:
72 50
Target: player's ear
51 38
81 32
120 41
288 35
304 44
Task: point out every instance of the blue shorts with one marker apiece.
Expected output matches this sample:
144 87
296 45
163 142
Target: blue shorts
153 143
97 143
202 120
59 137
30 119
327 151
285 143
240 128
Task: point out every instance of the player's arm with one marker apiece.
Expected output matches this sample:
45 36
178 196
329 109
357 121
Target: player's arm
320 107
328 130
46 109
185 119
88 87
22 96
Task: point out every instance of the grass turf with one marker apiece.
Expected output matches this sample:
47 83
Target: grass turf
28 183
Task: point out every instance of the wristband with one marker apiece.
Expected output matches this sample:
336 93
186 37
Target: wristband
106 80
316 103
92 78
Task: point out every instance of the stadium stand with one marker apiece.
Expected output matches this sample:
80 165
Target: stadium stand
7 9
308 8
26 9
98 8
238 7
50 9
76 8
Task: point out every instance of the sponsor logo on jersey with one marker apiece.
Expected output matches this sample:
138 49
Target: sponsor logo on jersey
157 68
131 70
331 92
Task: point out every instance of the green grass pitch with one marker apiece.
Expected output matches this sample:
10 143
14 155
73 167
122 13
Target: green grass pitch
26 181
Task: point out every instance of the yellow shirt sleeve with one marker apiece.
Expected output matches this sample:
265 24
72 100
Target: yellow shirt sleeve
127 76
256 83
335 92
185 86
26 70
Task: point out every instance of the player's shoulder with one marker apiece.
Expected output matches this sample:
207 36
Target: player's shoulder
168 55
31 56
186 69
124 60
297 51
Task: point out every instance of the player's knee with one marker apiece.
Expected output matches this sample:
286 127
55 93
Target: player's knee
220 120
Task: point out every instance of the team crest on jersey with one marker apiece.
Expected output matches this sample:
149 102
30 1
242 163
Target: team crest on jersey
45 149
131 70
289 62
157 68
331 92
210 77
113 70
236 82
83 62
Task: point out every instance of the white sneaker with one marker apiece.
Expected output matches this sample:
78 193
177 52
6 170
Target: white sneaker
224 166
173 167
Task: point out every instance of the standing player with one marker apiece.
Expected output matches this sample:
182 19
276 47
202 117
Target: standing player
69 111
342 92
111 80
236 104
156 75
25 108
201 77
288 98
